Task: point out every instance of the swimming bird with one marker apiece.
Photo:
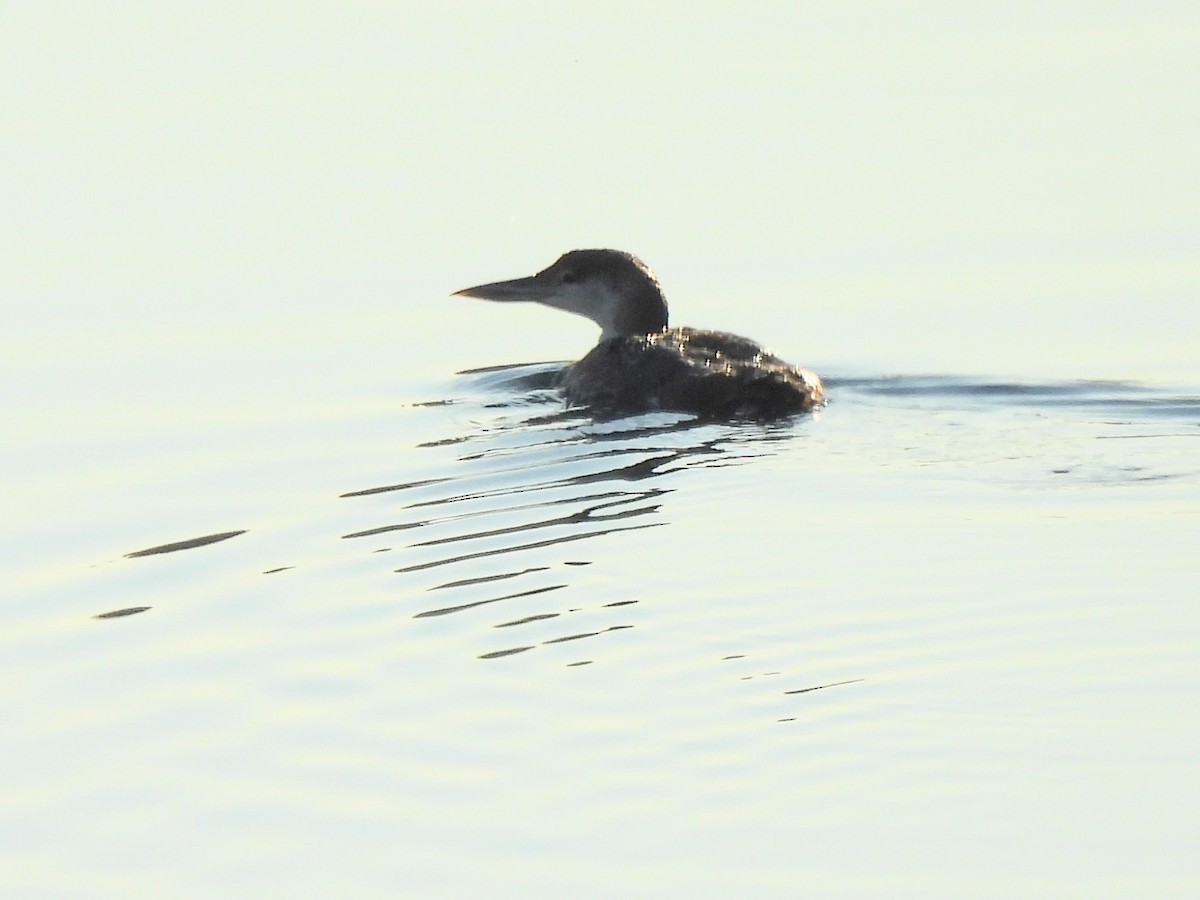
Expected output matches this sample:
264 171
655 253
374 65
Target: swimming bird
642 364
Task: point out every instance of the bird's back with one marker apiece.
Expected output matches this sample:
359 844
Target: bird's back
709 373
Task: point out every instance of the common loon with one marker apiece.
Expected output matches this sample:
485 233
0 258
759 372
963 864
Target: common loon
640 364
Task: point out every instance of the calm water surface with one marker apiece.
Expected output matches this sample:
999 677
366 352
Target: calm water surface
937 639
289 609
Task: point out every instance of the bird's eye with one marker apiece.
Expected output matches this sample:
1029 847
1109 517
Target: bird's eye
569 277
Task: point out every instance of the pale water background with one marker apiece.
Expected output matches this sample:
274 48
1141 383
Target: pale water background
464 641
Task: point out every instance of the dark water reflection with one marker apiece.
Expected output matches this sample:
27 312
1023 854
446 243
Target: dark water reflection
511 505
540 488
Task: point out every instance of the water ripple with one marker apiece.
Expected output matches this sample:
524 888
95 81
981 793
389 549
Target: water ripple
1086 395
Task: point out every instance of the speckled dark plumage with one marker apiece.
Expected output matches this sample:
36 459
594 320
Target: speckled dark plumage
709 373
